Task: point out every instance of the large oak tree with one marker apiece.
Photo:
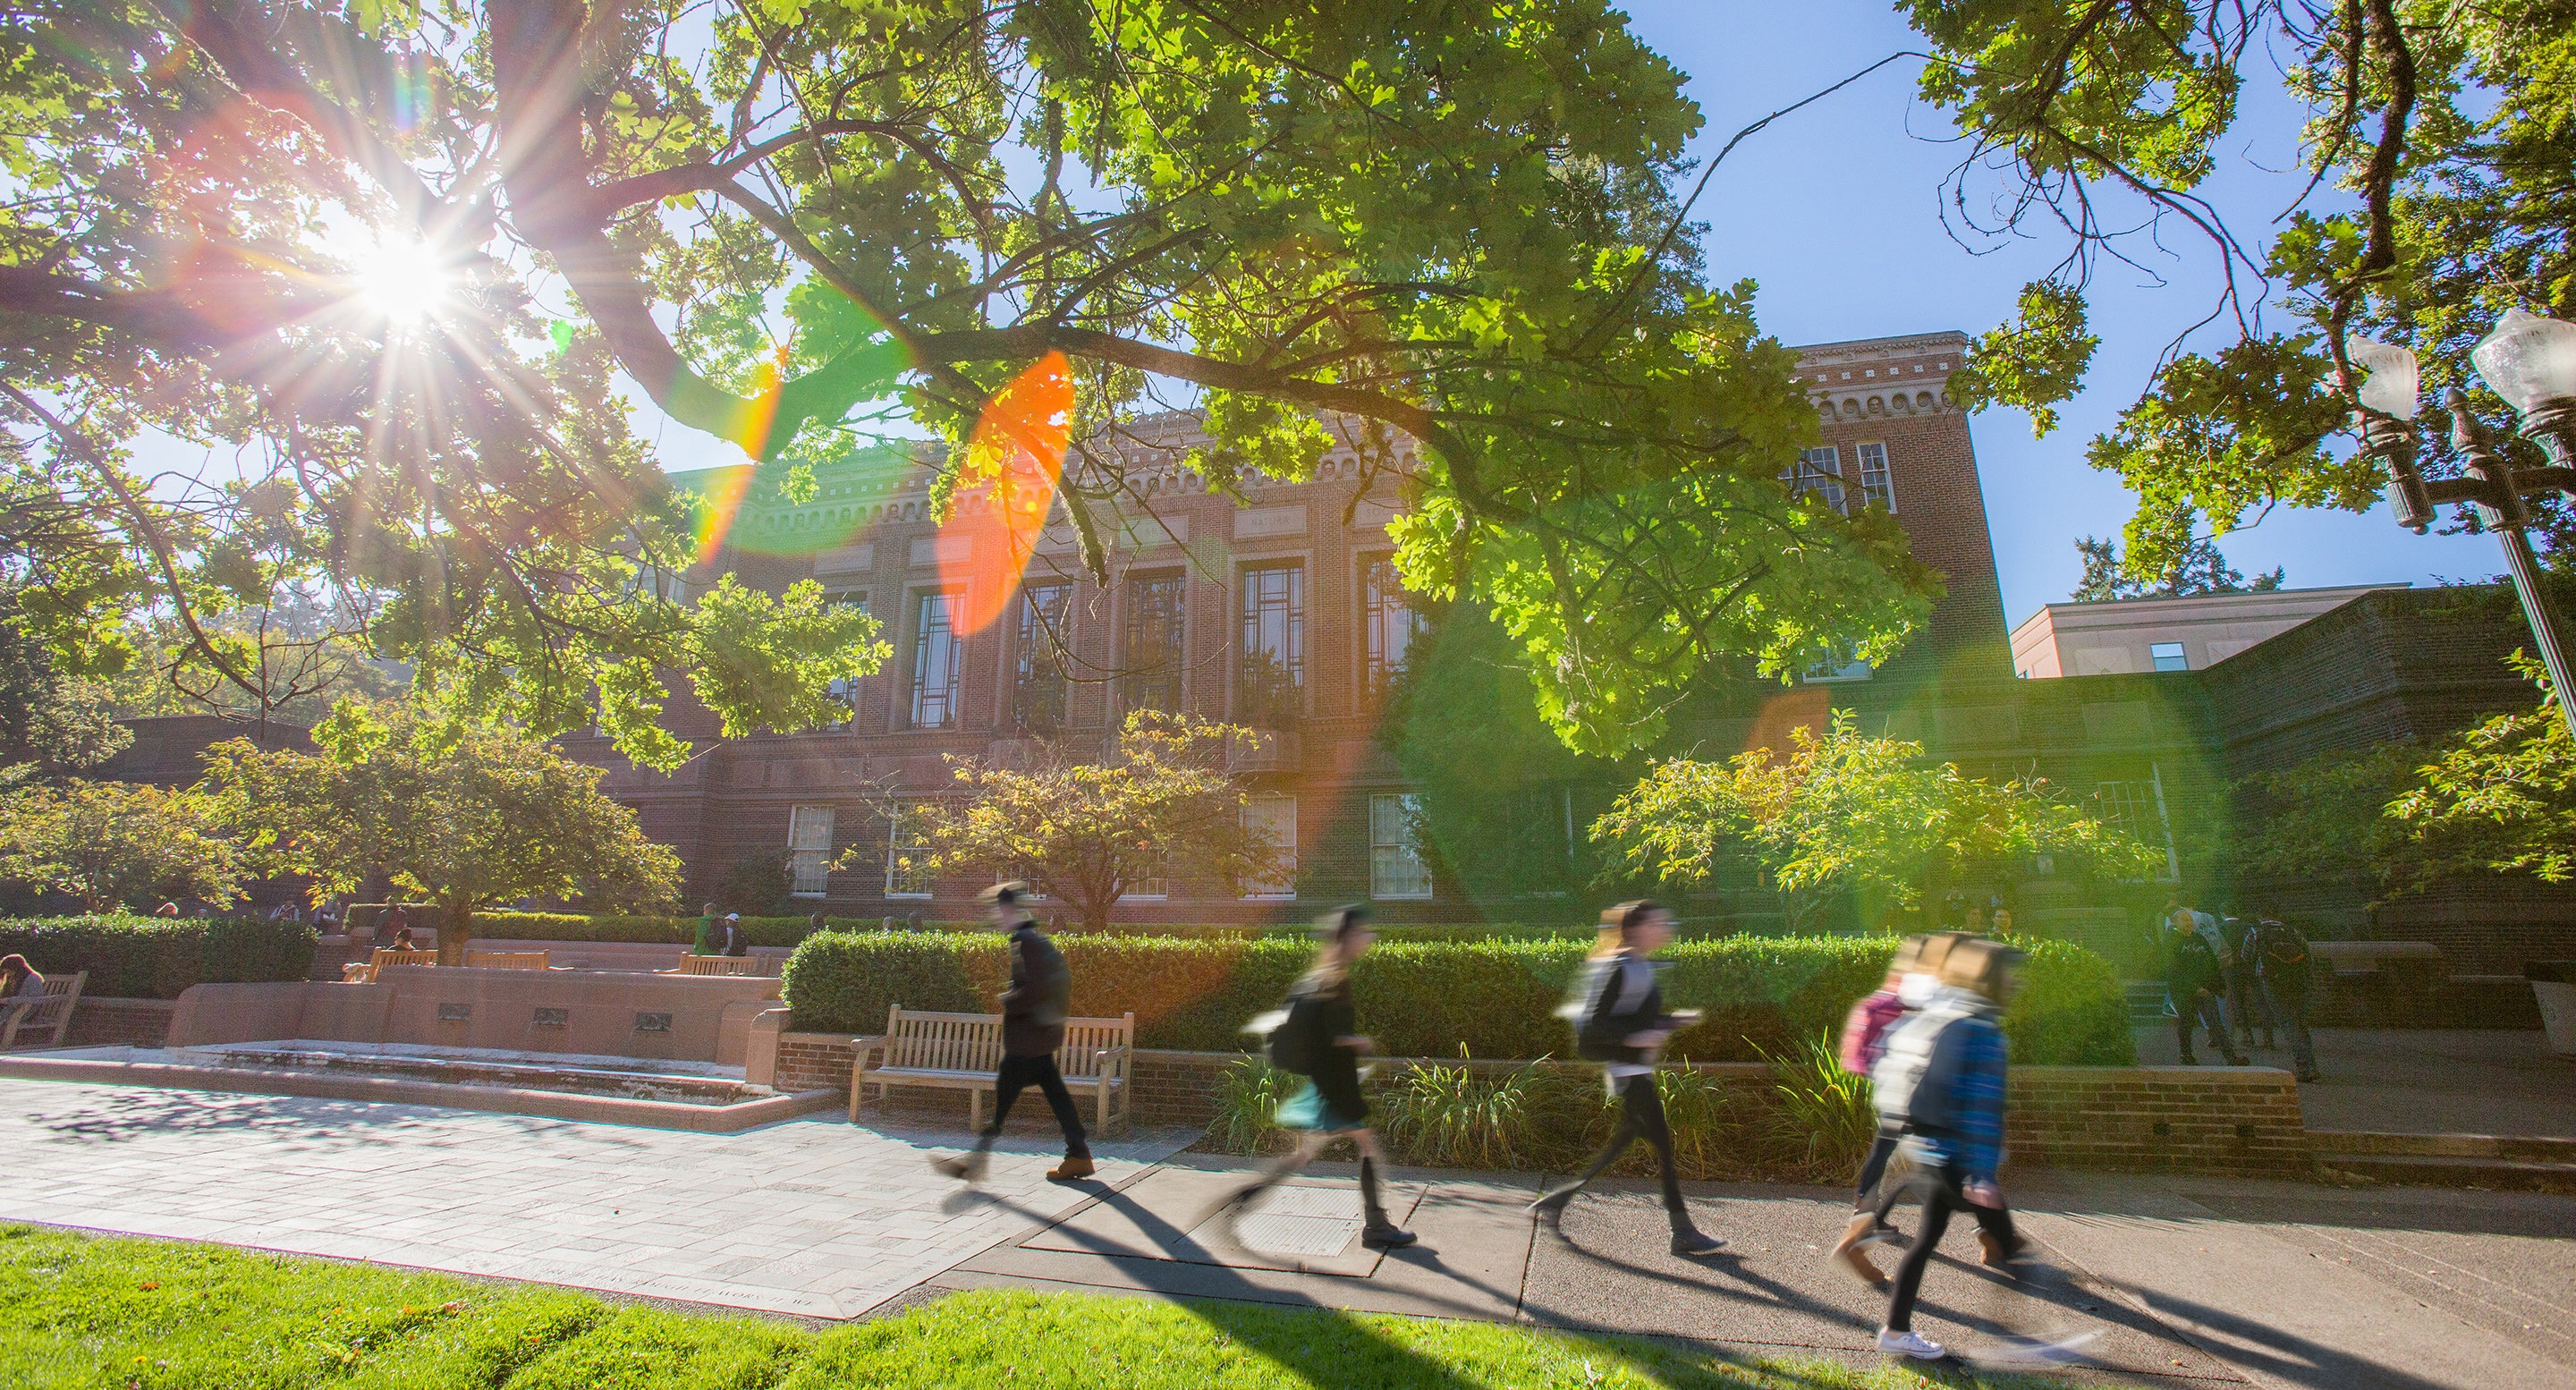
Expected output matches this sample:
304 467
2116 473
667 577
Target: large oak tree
1457 224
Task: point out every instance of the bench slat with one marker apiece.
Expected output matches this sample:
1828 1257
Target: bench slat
961 1051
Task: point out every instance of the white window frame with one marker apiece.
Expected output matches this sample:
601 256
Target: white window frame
1395 848
1877 483
2156 656
896 845
2126 801
1155 889
809 851
1820 471
953 645
1283 888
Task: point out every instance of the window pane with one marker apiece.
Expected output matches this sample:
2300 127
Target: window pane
1274 818
845 692
1875 484
1152 658
1396 869
1389 623
907 857
1270 687
809 849
2168 656
1819 471
1038 698
936 678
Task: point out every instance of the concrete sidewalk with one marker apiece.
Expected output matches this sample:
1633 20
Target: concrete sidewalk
2417 1080
2173 1280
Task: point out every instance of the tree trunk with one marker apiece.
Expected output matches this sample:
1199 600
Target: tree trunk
455 930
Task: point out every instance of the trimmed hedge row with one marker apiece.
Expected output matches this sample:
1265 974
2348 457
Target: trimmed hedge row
1497 999
788 931
157 957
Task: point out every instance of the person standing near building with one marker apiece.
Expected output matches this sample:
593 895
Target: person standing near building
733 941
705 944
1942 1077
2247 1012
1034 1009
2193 978
2285 970
1317 1036
1620 1022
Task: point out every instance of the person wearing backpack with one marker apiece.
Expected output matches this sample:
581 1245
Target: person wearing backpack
1034 1009
1942 1078
2281 960
1911 977
1317 1036
2247 1011
1620 1022
2193 978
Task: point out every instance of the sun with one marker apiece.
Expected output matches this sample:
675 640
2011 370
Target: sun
407 283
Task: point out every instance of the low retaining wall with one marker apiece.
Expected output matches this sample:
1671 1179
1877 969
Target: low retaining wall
672 1017
103 1021
2236 1120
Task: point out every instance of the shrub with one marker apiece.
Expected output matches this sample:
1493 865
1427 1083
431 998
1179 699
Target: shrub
1454 1117
1821 1120
157 957
1248 1097
1429 999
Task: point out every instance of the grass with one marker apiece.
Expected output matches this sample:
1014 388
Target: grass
118 1313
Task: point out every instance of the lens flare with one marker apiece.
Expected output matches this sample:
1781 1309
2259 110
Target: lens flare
404 281
716 512
1004 490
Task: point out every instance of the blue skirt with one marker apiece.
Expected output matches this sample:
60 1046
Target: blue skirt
1311 1109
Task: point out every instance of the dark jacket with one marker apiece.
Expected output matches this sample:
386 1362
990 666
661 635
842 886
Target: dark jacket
1040 997
1607 1021
2191 967
2281 954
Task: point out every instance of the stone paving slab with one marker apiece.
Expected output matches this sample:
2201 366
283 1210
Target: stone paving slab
812 1217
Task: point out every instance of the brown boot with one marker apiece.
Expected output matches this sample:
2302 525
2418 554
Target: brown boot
1075 1166
1849 1252
1993 1253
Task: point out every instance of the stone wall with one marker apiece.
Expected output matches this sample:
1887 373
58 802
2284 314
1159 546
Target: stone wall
816 1061
106 1021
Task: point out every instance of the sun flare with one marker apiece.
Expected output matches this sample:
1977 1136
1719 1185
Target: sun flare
406 282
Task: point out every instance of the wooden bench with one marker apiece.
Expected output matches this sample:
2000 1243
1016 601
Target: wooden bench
958 1052
384 956
507 960
722 965
52 1009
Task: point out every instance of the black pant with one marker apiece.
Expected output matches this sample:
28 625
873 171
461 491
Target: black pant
1941 1186
2201 1010
1874 1167
1642 1117
1019 1073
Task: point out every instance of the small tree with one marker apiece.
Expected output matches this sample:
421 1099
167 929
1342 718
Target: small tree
1844 813
465 814
1160 806
2502 799
116 844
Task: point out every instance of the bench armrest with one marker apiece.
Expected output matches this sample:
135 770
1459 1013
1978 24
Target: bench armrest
1113 1060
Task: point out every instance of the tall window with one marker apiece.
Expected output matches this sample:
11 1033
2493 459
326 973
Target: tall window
844 690
1389 623
936 658
1151 656
907 856
1038 697
1396 869
2137 806
1819 471
1149 871
1271 685
1875 484
809 850
1273 818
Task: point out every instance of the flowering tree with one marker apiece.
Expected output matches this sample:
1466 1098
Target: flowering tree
1159 807
1845 813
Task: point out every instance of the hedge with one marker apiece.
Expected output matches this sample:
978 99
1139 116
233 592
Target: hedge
157 957
788 931
1427 999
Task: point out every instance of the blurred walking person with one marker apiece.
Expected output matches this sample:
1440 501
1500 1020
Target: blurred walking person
2193 979
1034 1009
1942 1078
1317 1036
1620 1022
2282 963
1911 978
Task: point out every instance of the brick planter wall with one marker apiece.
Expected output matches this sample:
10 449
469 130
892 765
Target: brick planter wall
2160 1119
816 1061
109 1021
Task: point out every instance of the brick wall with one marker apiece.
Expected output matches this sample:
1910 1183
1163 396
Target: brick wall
815 1061
2156 1119
108 1021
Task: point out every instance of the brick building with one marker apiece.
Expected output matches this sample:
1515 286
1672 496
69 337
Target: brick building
1280 612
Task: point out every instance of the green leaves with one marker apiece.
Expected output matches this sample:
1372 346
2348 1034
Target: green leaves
2500 800
2036 362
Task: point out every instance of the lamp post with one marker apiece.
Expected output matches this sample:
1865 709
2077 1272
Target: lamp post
2531 362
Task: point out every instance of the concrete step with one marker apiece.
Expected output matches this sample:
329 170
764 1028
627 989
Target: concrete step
2545 1162
2147 1002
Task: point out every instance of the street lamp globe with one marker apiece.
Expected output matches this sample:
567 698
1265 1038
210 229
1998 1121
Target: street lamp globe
2392 387
2529 360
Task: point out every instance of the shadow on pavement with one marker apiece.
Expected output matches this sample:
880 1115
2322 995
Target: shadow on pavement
119 1116
2290 1359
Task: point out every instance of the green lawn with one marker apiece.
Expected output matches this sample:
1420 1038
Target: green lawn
164 1315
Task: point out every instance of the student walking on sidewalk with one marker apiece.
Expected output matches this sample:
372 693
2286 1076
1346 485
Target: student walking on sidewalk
1619 1019
1911 978
1034 1009
1317 1036
1942 1077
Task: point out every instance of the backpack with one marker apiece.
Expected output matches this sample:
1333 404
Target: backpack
1296 1042
2283 951
1865 1032
1598 1034
1910 1084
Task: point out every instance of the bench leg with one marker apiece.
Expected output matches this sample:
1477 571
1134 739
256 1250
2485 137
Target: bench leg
975 1109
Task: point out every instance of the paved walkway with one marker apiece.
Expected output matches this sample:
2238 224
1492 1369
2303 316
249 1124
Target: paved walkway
2420 1080
2165 1281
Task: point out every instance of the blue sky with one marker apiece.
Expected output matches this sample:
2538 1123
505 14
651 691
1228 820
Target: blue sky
1835 212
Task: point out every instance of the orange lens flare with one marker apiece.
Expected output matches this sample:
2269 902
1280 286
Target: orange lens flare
716 514
1004 491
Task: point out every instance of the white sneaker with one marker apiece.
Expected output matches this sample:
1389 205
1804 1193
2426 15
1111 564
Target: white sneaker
1912 1344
